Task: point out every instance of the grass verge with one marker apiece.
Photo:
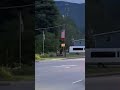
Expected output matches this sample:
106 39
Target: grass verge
52 56
23 78
5 74
25 73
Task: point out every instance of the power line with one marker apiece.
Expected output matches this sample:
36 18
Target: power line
12 7
107 33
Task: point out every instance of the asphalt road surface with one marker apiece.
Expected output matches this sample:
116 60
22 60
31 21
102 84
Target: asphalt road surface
103 83
21 85
66 74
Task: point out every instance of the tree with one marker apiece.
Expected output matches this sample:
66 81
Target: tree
9 35
72 32
46 14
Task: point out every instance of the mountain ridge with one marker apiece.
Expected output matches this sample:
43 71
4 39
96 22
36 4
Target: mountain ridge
76 12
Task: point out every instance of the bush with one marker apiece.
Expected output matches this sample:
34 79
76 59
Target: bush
5 74
37 57
44 56
52 54
24 70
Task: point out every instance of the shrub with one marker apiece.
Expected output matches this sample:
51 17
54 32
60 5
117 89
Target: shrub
24 70
5 74
52 54
44 56
37 57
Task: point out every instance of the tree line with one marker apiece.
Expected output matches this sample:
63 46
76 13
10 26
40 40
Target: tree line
41 15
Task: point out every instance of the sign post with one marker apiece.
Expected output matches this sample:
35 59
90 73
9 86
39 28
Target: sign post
63 46
63 43
43 42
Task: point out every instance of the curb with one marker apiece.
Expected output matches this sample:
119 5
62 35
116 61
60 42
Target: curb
102 75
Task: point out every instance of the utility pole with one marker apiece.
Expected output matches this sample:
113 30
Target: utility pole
65 42
20 38
43 42
65 24
63 38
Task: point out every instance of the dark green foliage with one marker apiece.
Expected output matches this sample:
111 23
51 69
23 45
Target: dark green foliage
46 14
10 32
72 32
51 43
5 74
9 14
25 70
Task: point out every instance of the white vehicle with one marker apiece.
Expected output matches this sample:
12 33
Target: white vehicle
76 49
102 56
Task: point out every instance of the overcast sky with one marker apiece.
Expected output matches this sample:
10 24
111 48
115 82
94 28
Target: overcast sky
74 1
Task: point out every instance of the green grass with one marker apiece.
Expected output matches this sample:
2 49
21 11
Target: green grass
52 55
37 57
80 55
25 73
23 78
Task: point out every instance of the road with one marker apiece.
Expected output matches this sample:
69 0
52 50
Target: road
20 85
66 74
103 83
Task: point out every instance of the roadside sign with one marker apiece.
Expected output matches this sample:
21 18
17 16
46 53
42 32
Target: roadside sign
63 35
63 45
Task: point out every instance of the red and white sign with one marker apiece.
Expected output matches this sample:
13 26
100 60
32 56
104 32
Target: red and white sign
63 35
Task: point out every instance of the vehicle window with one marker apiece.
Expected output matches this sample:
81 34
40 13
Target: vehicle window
77 48
102 54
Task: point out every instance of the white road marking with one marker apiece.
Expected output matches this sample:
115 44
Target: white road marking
77 81
77 59
67 66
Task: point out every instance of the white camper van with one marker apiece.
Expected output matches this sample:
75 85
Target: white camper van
76 49
102 56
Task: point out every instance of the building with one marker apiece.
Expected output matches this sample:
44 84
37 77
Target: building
80 42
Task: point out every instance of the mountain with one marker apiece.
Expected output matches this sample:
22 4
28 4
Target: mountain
76 13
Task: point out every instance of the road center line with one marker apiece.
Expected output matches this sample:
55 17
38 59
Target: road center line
65 66
77 81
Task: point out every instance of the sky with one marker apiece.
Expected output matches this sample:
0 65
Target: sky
73 1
